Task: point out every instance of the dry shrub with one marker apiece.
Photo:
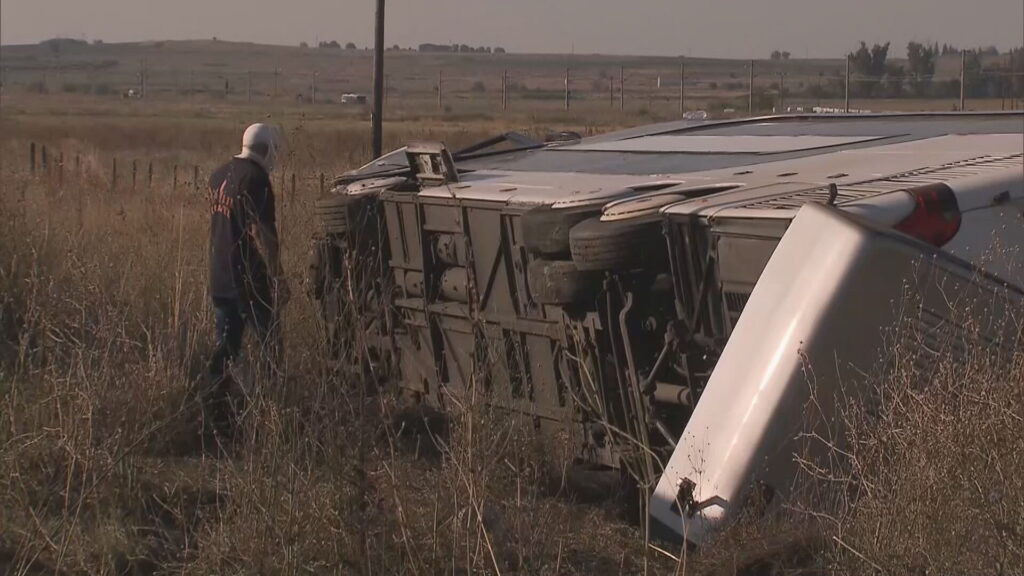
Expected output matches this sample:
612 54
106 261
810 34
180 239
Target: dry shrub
935 458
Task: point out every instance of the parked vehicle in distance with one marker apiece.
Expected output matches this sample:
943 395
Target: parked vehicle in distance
594 284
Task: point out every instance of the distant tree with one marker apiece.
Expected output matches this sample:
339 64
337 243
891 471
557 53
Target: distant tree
785 55
303 45
427 47
499 50
921 60
893 86
478 87
97 41
396 48
332 45
350 46
776 55
869 65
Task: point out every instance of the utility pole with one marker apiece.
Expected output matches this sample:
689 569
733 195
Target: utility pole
567 93
622 88
963 77
682 89
377 120
142 78
782 92
440 95
750 91
1013 82
504 89
846 105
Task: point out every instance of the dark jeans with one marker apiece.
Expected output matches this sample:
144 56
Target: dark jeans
222 400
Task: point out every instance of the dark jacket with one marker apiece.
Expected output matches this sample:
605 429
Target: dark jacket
240 198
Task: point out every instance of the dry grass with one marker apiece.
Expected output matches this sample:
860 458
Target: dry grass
105 328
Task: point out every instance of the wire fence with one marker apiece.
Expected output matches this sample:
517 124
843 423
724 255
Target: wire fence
125 174
722 87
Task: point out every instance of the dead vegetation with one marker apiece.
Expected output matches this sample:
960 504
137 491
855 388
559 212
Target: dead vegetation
104 332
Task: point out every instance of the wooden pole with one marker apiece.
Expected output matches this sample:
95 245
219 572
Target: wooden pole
113 174
750 91
622 88
504 89
45 161
322 183
135 170
149 175
782 93
567 88
963 78
846 103
174 180
195 178
682 89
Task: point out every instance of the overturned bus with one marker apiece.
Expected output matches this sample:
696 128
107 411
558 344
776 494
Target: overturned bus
594 285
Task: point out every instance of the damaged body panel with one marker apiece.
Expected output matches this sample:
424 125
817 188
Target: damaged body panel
807 342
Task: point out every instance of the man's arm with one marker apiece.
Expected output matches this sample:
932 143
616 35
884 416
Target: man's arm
269 246
263 229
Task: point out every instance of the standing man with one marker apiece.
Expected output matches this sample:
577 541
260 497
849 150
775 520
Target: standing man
246 280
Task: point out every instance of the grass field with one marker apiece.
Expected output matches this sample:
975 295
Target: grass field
105 328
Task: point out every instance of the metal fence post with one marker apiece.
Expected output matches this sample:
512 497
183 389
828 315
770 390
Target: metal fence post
149 175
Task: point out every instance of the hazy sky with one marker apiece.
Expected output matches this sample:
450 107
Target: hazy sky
723 28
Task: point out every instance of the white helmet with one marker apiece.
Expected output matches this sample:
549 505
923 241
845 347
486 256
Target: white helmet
260 144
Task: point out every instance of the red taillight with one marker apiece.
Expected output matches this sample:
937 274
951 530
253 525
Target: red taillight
936 215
